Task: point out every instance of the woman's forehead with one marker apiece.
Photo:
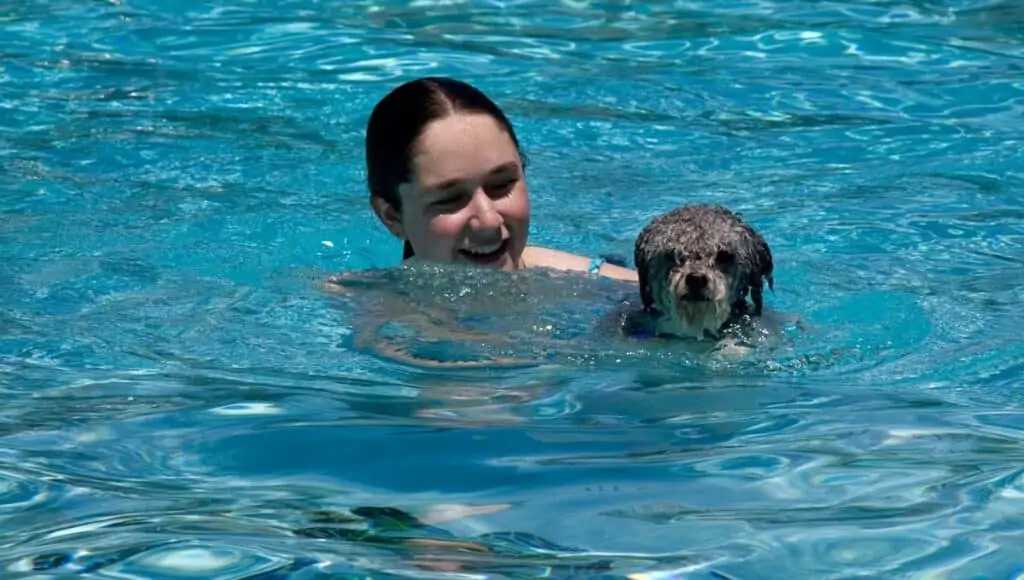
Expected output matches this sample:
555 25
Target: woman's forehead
462 146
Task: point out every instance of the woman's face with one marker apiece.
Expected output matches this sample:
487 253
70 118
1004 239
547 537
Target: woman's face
466 201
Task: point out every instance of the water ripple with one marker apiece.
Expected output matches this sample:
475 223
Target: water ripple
182 401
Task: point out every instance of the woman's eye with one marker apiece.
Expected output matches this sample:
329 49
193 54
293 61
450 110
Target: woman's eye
448 201
501 188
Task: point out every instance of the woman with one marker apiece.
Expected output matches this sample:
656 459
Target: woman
446 176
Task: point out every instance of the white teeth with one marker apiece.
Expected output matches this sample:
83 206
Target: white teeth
483 250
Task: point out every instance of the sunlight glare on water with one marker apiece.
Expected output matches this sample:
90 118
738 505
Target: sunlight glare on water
183 401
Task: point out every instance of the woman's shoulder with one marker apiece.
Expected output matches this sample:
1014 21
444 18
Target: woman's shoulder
538 257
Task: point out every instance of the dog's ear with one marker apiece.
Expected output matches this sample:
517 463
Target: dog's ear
762 271
641 261
646 297
765 264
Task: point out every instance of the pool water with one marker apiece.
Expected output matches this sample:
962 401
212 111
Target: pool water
181 400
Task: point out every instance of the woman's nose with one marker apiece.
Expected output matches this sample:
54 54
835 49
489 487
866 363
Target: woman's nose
485 212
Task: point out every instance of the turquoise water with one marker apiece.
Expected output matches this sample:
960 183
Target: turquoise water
181 401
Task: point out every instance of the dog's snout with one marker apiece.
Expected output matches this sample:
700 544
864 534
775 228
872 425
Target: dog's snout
696 283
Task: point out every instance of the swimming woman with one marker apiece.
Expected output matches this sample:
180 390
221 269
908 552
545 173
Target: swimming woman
447 177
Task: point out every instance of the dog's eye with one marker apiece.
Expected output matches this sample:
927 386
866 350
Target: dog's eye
675 260
725 257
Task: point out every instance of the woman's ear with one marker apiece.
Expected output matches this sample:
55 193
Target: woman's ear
388 216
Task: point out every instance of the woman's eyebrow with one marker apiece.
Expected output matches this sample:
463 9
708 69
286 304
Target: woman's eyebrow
502 168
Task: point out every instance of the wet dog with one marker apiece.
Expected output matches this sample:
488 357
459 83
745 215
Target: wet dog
697 264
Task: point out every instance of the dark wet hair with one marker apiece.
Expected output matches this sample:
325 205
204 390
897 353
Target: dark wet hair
399 119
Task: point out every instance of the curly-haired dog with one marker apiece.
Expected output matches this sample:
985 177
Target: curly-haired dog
696 265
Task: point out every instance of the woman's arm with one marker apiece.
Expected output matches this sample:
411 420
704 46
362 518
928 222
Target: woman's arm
537 257
372 308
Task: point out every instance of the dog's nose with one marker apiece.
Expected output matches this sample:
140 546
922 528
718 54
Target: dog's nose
696 283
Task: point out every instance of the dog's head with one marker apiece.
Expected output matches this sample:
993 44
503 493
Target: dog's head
696 265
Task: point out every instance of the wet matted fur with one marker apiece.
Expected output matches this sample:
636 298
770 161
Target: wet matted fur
697 264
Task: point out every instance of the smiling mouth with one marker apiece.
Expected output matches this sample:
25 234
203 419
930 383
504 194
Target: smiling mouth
486 254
